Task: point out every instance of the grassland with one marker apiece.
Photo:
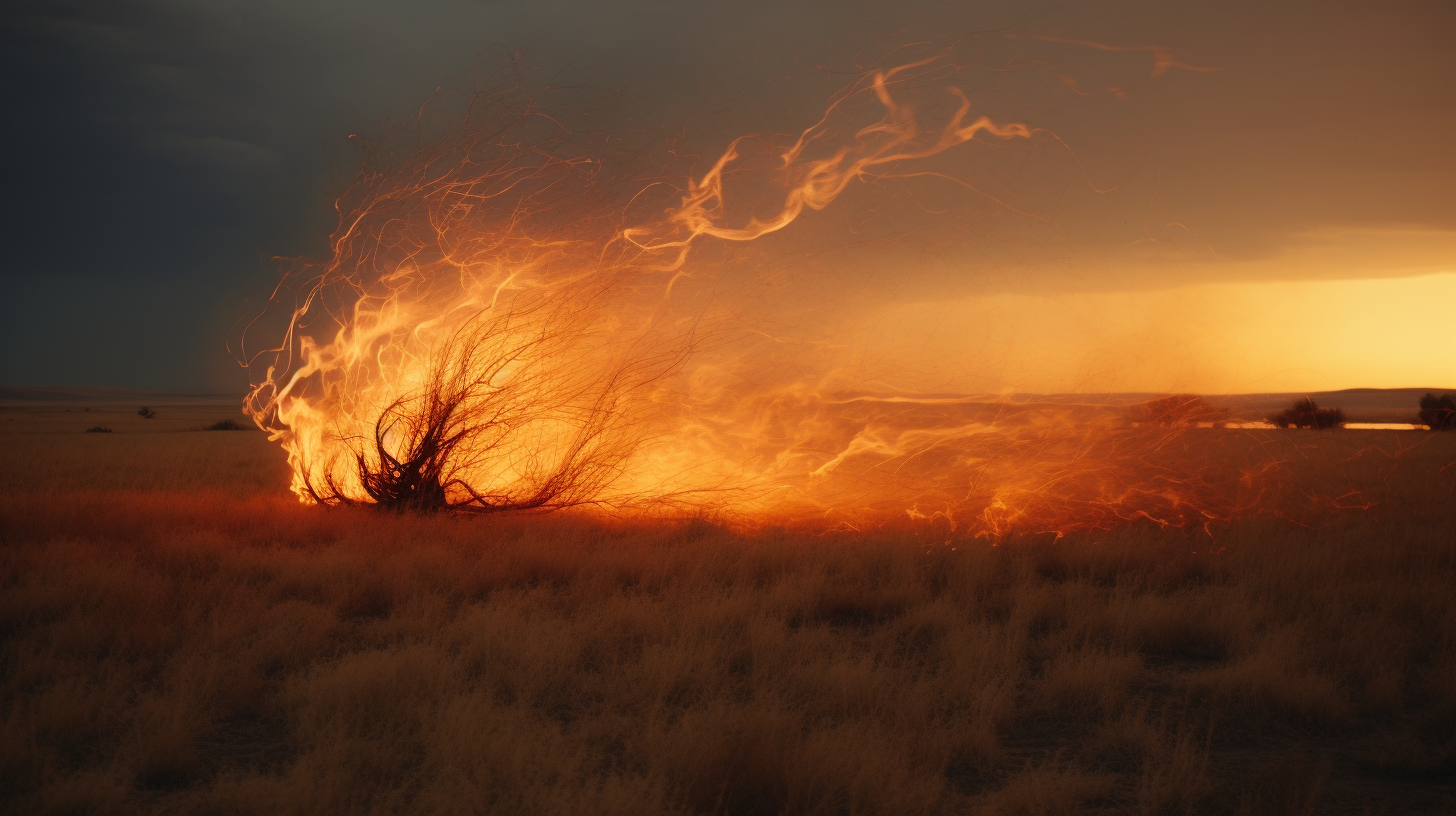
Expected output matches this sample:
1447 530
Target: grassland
179 636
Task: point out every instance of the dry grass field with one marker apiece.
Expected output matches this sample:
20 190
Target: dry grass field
180 636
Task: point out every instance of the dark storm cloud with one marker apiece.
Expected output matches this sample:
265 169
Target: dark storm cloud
158 153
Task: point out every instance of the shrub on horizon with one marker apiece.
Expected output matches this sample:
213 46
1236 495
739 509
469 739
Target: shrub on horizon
1438 413
145 412
1306 413
1176 409
99 429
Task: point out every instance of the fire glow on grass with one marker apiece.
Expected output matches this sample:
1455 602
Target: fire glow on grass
506 323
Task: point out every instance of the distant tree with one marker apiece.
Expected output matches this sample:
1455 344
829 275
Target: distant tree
1305 413
99 429
146 413
1439 413
1176 409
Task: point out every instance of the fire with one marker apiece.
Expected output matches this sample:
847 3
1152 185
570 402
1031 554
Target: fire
503 325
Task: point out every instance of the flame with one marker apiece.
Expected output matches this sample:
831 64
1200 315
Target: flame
503 325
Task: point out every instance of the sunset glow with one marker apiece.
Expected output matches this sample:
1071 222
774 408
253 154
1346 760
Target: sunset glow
1217 338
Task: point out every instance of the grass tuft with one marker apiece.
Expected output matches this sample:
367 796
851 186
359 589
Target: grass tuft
226 425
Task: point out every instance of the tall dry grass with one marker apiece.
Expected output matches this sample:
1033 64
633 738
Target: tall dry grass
181 637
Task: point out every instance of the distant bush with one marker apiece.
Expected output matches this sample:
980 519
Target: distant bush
1177 409
225 425
146 413
99 429
1439 413
1305 413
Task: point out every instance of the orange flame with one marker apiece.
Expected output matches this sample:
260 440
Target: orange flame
498 327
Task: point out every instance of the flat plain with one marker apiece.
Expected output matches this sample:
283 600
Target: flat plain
181 636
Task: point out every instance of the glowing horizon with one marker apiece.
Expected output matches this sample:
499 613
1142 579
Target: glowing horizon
1211 338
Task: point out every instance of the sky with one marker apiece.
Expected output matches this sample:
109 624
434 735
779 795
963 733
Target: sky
1271 210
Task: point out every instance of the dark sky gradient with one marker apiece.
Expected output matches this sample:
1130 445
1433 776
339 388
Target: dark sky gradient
158 154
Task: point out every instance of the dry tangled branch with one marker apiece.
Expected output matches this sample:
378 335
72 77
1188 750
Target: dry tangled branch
511 416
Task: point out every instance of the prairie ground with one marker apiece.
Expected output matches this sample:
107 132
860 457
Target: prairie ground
180 636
